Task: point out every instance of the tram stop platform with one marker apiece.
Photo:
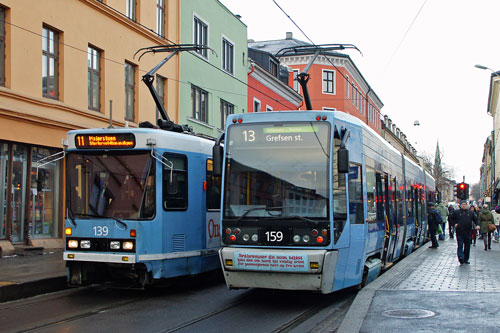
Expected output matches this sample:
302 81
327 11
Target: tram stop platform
29 275
429 291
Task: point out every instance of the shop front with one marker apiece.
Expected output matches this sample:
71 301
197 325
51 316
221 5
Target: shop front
30 193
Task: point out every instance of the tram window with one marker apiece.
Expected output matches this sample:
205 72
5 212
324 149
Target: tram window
370 195
409 199
380 186
175 183
355 194
213 187
339 187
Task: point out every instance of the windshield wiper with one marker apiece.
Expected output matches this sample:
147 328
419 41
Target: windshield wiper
106 217
294 217
267 209
71 217
120 221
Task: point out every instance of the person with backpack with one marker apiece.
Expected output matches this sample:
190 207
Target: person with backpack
434 220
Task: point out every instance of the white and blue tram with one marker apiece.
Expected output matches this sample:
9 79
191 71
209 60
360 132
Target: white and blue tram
315 200
142 205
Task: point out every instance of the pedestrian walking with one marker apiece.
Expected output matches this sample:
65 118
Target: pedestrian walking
464 220
486 219
473 231
434 220
443 211
451 227
496 217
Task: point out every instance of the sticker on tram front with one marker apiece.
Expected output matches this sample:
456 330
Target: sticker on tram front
271 262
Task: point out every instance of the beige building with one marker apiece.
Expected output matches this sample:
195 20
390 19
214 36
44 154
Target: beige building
63 63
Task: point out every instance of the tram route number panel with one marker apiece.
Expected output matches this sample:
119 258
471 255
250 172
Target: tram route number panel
271 262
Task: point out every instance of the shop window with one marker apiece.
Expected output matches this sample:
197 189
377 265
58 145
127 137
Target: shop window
4 162
43 212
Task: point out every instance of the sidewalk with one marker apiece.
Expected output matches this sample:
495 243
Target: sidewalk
25 276
429 291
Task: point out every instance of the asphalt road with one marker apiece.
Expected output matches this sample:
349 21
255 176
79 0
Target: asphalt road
195 304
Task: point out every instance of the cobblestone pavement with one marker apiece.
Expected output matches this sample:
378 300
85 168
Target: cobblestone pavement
439 270
430 291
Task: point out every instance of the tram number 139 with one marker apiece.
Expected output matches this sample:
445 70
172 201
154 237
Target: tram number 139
274 236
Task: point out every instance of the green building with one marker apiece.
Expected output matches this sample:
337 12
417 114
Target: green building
213 82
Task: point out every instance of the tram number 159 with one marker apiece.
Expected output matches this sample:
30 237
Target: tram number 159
274 236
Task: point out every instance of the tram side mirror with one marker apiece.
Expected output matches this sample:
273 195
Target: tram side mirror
217 152
343 160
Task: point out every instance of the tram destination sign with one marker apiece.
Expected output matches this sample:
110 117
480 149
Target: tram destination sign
105 141
285 135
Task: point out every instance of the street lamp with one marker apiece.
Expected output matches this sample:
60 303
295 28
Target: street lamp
483 67
494 135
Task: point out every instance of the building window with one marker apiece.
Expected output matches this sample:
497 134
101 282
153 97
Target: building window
2 46
328 82
94 78
225 110
50 63
329 109
353 99
160 17
296 85
201 35
199 100
268 108
347 84
227 56
131 9
129 91
256 105
273 68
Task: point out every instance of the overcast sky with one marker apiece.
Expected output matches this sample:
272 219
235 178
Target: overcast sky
418 57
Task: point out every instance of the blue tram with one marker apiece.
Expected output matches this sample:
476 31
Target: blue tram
315 201
142 205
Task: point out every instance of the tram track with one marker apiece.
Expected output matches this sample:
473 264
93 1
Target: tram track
267 310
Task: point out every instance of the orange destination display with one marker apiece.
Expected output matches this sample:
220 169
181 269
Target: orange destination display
105 141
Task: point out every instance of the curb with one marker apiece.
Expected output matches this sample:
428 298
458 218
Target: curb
356 314
13 292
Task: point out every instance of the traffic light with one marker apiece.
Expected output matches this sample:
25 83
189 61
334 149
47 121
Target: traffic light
462 191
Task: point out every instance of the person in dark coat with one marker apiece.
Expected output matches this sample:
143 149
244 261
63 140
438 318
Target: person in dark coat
434 220
463 220
451 227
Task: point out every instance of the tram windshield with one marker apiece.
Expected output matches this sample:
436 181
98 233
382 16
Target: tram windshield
115 185
277 170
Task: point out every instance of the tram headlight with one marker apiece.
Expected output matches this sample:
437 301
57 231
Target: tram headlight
306 238
128 246
85 244
246 237
255 237
72 244
296 238
114 245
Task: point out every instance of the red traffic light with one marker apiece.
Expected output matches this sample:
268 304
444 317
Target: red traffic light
462 185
